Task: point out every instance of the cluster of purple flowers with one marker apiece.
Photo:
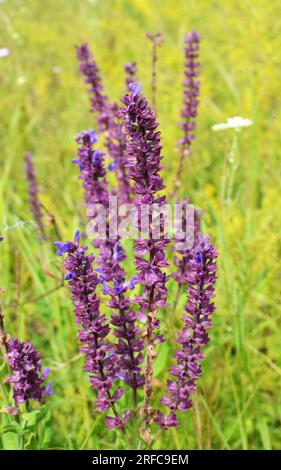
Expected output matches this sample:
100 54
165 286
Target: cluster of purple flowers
100 357
133 142
141 160
191 88
93 175
129 345
110 274
27 379
116 346
99 101
199 309
34 203
107 120
91 166
143 163
106 362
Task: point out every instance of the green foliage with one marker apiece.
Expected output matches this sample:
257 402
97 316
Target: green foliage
43 104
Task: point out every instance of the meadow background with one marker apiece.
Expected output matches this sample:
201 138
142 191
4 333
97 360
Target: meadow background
42 106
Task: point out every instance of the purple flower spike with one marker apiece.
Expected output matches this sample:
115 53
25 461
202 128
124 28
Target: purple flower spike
92 172
93 177
34 203
104 363
129 346
199 309
27 380
144 157
144 166
107 119
94 327
90 71
191 89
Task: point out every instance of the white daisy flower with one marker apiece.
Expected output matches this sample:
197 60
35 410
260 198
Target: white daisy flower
235 123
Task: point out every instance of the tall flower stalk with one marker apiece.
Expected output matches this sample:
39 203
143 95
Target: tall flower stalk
144 157
91 165
98 99
191 88
34 204
110 272
100 358
107 120
156 40
197 319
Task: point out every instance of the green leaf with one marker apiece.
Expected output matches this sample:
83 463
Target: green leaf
33 417
10 440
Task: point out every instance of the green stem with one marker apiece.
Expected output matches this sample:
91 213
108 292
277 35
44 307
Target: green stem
88 436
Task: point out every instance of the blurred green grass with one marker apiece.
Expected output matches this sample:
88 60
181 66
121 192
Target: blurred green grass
43 105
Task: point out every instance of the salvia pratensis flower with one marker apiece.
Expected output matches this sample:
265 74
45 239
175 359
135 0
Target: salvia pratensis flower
94 328
117 422
197 320
90 162
144 157
33 200
27 377
107 119
110 273
99 101
191 88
